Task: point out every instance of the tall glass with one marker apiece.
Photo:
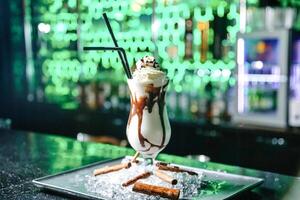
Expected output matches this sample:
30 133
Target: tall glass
148 127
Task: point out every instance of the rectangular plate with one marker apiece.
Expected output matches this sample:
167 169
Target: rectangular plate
217 185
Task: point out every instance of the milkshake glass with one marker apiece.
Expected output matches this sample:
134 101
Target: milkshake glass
148 128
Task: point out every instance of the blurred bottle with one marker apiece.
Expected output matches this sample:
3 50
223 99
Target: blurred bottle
194 106
229 103
202 106
172 104
188 39
218 105
209 101
122 94
82 94
262 99
107 94
183 103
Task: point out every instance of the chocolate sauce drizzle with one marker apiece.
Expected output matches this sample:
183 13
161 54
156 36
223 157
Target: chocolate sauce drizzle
156 95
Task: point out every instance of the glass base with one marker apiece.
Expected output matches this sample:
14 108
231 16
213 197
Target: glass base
149 161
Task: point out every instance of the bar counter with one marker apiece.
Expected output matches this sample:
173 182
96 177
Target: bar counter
27 155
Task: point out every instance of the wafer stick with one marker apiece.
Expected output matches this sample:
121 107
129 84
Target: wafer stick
113 168
162 163
134 159
135 179
174 169
156 190
165 177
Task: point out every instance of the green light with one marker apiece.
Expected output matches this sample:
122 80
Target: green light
220 11
178 88
63 65
72 3
232 81
232 12
197 37
206 17
255 2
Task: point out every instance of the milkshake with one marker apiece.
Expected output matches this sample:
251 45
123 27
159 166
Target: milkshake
148 127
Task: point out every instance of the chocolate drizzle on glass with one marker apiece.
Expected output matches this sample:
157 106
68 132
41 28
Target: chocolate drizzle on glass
146 103
137 107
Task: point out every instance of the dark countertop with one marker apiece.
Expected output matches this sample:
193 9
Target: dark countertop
26 155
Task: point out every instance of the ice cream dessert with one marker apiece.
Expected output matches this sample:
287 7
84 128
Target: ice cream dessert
148 127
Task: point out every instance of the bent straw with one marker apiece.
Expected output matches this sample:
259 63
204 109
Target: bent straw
125 61
119 49
104 48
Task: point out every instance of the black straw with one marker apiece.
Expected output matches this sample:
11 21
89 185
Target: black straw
103 48
122 57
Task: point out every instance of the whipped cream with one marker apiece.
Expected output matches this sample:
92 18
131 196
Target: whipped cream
147 71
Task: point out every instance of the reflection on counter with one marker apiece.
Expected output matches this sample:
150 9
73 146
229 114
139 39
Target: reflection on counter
29 155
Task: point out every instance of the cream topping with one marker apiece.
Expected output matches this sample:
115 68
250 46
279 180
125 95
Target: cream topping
148 72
